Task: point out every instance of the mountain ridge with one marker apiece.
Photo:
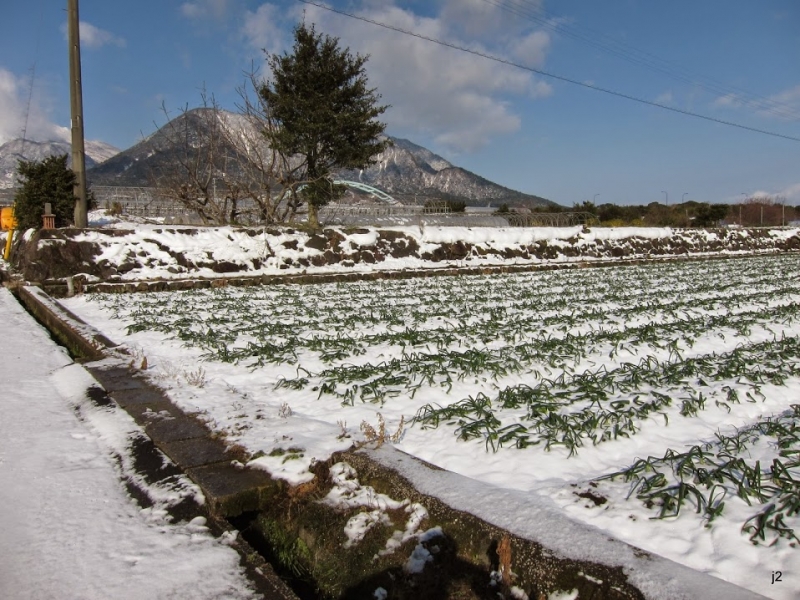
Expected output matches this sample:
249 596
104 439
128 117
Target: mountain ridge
405 170
18 149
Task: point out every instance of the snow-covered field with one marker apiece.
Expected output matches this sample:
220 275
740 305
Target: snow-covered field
679 378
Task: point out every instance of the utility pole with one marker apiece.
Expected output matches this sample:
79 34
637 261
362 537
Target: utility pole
666 195
740 209
783 211
76 113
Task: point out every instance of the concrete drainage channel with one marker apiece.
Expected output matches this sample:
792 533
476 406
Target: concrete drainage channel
292 544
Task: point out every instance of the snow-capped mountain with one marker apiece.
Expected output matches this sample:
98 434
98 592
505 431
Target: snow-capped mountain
405 170
15 150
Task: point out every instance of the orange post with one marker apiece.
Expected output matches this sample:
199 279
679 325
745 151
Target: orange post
7 220
8 223
9 237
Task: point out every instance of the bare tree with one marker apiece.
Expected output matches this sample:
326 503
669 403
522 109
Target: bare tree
219 164
268 178
195 158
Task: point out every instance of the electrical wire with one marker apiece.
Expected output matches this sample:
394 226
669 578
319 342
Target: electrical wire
645 59
32 80
547 74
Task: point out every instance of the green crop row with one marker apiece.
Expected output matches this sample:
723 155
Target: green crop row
705 475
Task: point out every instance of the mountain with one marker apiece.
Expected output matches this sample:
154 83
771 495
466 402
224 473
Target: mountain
404 170
140 164
15 150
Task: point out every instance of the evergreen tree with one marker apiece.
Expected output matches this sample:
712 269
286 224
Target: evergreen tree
325 112
48 180
709 215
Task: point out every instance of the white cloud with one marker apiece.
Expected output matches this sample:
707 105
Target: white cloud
459 99
728 100
664 98
94 37
263 29
202 9
10 112
495 119
789 193
13 101
540 89
531 50
486 20
783 105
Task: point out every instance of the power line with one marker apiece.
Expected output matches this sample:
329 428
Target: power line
642 58
32 80
547 74
28 108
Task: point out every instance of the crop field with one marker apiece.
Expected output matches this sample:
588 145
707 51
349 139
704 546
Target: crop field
659 402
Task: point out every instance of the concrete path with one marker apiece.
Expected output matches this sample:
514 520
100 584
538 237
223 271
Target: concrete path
69 528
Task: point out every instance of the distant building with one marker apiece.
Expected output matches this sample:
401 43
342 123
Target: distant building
480 210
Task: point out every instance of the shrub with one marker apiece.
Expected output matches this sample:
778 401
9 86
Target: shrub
42 181
48 180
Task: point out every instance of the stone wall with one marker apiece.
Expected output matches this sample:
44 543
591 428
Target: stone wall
124 258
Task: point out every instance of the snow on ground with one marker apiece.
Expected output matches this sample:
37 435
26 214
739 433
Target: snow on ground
150 250
287 414
69 529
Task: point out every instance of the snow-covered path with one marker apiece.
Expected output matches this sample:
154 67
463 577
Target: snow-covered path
69 530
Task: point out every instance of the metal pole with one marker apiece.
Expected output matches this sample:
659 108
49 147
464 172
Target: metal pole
740 209
76 112
666 195
594 200
684 196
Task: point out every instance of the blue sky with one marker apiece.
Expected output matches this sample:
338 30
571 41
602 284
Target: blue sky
734 60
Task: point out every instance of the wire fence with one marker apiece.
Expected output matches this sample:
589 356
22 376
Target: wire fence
149 203
138 202
7 196
564 219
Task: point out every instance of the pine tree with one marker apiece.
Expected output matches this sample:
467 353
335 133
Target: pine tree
48 180
325 112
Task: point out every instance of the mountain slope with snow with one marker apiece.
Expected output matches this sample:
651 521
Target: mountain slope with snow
15 150
405 170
